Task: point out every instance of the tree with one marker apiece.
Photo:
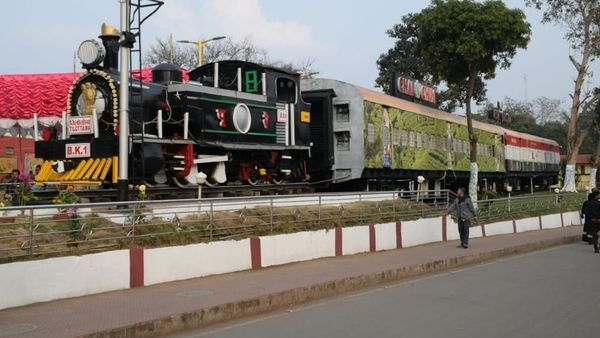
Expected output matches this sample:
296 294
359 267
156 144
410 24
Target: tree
227 49
595 128
461 42
546 110
186 56
403 59
581 18
164 50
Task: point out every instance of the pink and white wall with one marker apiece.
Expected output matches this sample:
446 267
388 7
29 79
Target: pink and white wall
31 282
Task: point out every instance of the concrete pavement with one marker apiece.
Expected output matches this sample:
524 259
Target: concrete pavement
549 293
166 308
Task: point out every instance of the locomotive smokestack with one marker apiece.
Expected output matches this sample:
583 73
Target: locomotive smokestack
110 39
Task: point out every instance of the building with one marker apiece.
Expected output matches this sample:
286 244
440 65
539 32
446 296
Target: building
583 169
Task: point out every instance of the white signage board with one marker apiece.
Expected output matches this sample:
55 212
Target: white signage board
77 150
80 125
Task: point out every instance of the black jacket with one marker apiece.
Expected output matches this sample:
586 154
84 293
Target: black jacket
592 210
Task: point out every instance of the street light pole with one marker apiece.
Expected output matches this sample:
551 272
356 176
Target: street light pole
200 45
123 184
200 180
509 189
420 180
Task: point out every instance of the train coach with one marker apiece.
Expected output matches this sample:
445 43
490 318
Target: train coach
371 140
532 162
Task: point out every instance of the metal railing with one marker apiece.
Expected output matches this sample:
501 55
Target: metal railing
52 230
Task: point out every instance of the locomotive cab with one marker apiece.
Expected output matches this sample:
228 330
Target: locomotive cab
248 123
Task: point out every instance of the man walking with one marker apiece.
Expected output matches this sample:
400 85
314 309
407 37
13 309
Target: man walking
593 210
585 213
465 211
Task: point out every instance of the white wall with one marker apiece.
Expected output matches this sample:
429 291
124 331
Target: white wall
196 260
571 218
22 282
551 221
452 229
385 236
355 240
475 232
25 283
421 231
500 228
301 246
528 224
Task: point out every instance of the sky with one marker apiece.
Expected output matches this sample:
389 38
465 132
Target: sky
343 37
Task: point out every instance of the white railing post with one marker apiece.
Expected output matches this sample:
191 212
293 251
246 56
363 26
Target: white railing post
186 121
159 124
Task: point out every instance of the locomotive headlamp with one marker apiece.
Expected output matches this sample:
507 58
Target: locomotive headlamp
242 118
90 53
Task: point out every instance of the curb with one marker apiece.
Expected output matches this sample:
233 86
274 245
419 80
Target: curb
235 310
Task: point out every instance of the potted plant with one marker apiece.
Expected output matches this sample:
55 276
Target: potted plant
66 196
23 190
137 215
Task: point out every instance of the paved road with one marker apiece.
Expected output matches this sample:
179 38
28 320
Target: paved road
552 293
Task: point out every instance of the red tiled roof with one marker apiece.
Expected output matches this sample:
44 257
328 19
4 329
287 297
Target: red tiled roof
581 158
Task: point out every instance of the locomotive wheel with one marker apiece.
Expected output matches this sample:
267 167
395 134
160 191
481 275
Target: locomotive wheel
210 182
277 180
160 177
254 178
181 182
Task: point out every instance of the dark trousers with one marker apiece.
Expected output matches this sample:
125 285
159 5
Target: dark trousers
463 230
594 227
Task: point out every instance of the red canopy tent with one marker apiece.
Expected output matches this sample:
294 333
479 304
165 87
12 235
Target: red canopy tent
22 95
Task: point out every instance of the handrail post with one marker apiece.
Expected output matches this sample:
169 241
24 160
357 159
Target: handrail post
211 220
271 213
30 232
394 205
360 208
319 215
133 221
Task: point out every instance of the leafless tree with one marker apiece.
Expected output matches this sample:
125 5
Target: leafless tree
165 50
581 20
546 110
186 56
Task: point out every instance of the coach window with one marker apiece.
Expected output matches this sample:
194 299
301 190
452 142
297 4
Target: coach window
371 133
342 140
396 136
342 113
286 90
404 137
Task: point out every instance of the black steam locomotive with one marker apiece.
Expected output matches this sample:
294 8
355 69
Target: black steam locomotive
232 121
